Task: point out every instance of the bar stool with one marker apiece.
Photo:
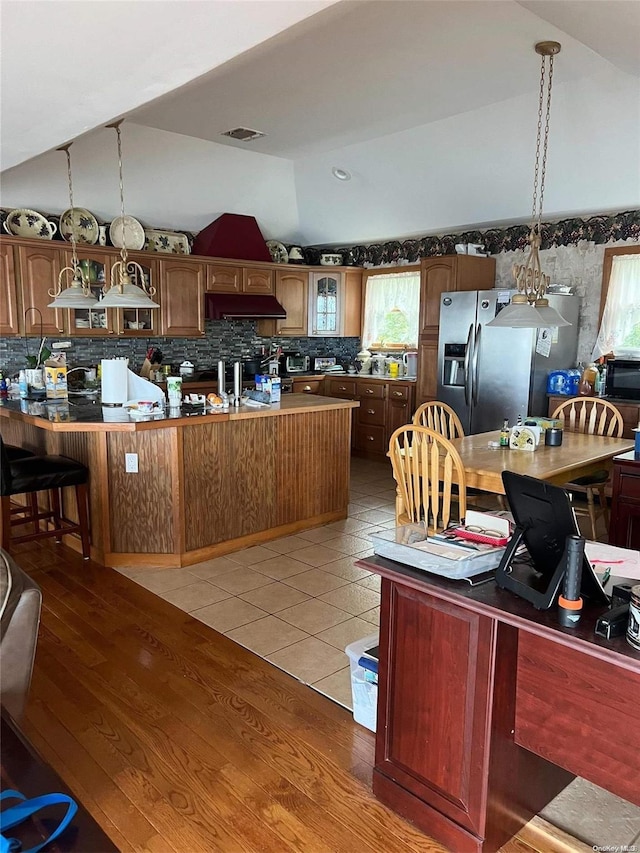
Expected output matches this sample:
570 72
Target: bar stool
31 474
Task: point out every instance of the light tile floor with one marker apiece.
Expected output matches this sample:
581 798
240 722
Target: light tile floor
300 600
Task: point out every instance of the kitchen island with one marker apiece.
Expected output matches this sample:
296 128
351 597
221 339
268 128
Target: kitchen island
206 485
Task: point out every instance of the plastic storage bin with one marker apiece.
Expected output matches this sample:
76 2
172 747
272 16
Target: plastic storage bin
364 681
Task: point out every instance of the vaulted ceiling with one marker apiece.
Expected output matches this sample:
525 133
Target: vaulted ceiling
381 88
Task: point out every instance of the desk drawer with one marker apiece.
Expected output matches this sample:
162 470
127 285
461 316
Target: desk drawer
372 412
580 712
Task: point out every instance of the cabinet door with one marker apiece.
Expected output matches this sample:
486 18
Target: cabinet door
141 322
257 281
437 276
39 269
352 304
400 407
224 279
427 382
291 292
9 324
307 386
182 298
433 702
325 302
96 270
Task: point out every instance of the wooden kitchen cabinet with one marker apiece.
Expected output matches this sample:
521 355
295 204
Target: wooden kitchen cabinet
437 276
39 268
182 298
308 386
292 289
624 527
385 404
9 321
257 280
235 278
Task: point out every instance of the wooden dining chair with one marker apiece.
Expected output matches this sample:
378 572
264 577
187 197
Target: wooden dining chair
440 418
592 416
424 463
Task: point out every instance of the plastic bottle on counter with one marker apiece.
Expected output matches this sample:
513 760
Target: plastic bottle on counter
587 385
504 433
4 388
23 388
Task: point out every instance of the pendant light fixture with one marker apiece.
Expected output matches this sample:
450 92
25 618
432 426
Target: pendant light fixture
123 293
77 294
529 308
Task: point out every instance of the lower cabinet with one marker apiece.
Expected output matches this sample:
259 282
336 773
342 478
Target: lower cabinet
308 386
384 406
624 528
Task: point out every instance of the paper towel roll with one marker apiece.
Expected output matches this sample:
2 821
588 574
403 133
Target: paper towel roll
113 372
141 389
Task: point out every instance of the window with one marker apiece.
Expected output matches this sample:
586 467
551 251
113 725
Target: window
620 304
391 310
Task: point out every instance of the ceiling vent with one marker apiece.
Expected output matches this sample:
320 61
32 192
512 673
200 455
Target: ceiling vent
244 134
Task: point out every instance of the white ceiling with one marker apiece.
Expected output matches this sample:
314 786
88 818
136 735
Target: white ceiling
348 83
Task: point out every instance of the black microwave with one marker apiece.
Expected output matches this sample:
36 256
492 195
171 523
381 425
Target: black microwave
623 379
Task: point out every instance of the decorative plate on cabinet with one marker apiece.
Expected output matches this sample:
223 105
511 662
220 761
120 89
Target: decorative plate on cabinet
126 229
278 252
23 222
81 223
166 241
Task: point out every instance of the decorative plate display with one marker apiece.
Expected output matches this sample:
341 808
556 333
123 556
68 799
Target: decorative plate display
128 229
166 241
29 223
278 252
81 224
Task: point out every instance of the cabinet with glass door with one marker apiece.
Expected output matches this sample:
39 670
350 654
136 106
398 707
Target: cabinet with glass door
95 268
325 297
141 322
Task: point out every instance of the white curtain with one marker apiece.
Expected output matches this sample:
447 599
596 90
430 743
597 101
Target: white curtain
391 308
620 327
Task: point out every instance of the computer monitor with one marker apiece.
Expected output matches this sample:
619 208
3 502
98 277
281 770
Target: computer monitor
544 518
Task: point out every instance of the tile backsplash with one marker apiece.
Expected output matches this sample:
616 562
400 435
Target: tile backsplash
231 340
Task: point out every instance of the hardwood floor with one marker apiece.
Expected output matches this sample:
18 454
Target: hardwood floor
178 739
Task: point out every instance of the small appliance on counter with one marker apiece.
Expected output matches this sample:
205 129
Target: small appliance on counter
293 362
623 379
410 360
324 363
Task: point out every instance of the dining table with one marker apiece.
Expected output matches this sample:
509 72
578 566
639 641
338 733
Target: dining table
579 455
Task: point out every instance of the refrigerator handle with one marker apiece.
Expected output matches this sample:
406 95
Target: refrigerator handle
476 359
467 363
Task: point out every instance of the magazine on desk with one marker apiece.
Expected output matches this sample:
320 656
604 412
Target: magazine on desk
444 554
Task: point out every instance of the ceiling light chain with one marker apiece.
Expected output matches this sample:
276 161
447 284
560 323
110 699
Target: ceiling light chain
78 294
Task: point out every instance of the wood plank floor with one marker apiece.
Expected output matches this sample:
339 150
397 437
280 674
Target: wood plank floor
178 739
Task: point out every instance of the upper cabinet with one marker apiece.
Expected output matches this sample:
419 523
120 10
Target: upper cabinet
292 289
9 321
39 269
182 298
335 304
232 278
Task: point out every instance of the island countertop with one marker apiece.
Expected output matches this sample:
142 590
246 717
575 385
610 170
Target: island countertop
73 416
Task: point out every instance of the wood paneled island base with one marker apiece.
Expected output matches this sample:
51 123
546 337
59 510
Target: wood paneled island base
487 709
206 485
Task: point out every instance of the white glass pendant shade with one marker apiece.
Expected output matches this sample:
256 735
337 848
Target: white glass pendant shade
74 296
518 315
550 316
127 296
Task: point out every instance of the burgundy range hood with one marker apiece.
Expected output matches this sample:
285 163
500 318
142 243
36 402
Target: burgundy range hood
229 306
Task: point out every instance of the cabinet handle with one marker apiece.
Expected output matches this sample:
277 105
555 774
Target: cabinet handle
397 393
371 411
111 332
307 389
369 391
342 388
370 438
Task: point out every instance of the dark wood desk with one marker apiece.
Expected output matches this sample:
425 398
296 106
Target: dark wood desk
23 770
487 708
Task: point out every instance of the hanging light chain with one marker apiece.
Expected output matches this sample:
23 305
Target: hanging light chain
74 253
544 49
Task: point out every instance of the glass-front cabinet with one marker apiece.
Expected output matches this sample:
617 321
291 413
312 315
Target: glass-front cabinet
140 322
325 295
96 269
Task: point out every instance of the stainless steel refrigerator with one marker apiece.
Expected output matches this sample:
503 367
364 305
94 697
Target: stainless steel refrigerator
487 374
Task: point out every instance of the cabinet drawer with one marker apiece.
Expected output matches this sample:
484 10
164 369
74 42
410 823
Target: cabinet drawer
307 386
371 438
376 390
341 388
398 392
372 412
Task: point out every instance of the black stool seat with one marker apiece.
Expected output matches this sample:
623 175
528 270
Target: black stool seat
29 474
40 473
14 452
